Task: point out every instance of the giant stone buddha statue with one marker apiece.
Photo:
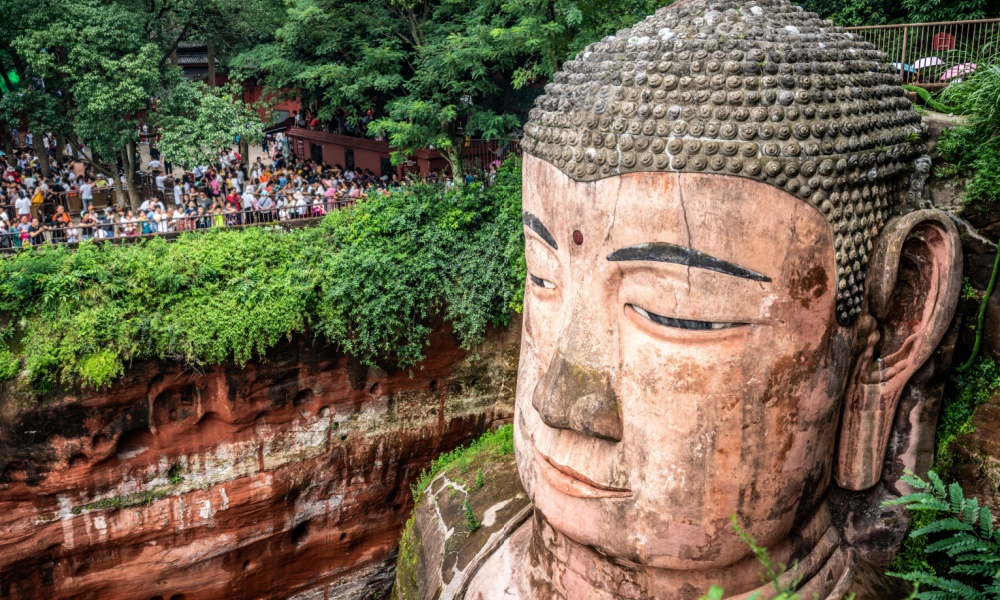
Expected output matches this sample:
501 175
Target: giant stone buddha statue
733 278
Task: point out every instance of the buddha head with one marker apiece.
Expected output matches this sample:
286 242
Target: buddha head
732 278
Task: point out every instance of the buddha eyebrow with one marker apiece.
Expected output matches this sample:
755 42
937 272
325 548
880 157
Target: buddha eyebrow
679 255
533 223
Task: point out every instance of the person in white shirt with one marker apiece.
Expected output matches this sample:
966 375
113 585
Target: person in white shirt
23 206
150 204
301 205
161 182
87 194
162 226
248 200
178 219
178 193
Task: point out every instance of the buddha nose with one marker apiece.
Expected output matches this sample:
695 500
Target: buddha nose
571 396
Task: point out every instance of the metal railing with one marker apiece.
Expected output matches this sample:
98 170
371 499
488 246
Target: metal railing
480 155
934 54
139 228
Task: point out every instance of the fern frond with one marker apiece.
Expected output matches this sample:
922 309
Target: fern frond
915 482
957 498
970 511
947 524
965 547
985 522
939 487
974 570
919 499
958 538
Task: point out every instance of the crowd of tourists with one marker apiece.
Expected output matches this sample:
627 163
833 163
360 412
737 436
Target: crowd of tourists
231 192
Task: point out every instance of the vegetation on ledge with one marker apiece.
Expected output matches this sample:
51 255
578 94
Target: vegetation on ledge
371 280
495 443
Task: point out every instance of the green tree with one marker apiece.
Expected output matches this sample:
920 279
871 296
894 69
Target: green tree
433 70
851 13
199 121
88 68
428 66
545 33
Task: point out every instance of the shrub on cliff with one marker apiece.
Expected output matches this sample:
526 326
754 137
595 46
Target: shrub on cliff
975 146
371 279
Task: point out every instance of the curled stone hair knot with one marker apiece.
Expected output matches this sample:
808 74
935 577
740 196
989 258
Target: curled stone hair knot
748 88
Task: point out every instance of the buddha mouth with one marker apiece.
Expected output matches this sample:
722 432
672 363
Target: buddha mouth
571 483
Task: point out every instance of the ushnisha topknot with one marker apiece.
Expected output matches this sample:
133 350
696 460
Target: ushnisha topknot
757 89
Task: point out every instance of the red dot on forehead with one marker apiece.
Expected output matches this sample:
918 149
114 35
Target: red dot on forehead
577 237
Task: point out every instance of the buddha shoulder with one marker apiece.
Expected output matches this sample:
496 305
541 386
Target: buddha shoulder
462 522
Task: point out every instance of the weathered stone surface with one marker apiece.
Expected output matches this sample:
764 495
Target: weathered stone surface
287 479
440 555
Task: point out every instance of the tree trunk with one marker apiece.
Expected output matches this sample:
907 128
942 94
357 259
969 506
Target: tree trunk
245 150
60 147
116 182
211 65
453 155
173 57
128 161
42 152
8 140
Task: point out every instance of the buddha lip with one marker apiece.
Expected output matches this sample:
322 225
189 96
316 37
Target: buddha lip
571 483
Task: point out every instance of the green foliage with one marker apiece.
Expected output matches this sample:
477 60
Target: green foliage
962 533
851 13
174 474
433 70
10 366
480 479
966 392
198 122
929 100
981 319
772 574
546 33
968 292
714 593
127 501
471 520
974 148
784 587
978 95
373 280
495 443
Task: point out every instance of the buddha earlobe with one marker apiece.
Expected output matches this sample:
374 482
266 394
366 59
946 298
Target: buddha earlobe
914 280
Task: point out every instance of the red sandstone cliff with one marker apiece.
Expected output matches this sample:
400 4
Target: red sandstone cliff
287 479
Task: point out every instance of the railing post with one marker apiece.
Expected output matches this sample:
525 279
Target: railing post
902 62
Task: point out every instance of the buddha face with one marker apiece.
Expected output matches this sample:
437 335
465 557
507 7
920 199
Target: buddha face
680 362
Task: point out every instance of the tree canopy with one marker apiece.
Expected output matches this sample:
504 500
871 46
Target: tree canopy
89 69
433 70
850 13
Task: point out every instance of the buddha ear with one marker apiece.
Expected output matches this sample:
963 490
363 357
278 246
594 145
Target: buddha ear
914 278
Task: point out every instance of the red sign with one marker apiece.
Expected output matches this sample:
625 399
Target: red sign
944 41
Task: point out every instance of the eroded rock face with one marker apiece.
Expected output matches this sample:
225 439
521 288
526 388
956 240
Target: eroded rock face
287 479
977 456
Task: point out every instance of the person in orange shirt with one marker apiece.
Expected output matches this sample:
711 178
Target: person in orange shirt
59 222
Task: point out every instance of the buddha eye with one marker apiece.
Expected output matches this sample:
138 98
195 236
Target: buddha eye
683 323
542 283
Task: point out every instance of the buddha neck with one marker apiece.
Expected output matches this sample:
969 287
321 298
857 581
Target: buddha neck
558 567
